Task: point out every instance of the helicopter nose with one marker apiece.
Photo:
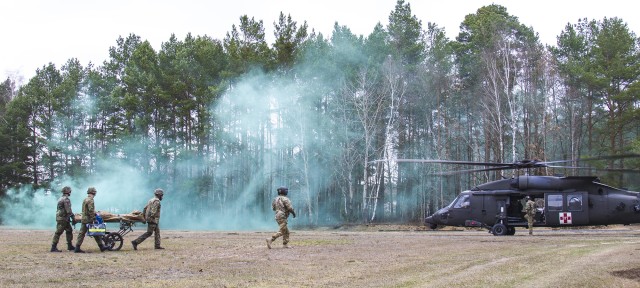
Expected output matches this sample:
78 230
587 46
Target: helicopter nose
429 220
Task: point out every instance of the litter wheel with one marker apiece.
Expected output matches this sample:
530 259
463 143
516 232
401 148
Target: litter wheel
113 241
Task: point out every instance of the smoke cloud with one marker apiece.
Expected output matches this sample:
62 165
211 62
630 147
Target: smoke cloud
255 108
121 189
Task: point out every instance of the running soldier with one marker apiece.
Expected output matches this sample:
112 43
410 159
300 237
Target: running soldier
152 217
64 218
282 206
88 217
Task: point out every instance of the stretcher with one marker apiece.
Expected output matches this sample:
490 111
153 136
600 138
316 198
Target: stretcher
114 240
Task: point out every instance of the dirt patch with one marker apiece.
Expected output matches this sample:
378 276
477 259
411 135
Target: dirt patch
633 274
346 256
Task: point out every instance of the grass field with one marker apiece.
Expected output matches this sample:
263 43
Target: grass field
360 256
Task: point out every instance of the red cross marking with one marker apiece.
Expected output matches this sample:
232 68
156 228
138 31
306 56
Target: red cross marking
565 218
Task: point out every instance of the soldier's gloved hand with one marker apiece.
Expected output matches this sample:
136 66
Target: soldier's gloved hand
294 215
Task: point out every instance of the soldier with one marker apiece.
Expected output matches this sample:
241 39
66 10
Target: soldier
282 206
152 217
64 218
88 217
530 209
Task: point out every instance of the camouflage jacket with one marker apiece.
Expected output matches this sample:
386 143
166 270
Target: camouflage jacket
152 211
64 209
530 208
282 206
88 210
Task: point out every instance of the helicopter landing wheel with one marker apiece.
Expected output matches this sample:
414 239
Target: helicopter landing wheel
511 230
499 229
113 241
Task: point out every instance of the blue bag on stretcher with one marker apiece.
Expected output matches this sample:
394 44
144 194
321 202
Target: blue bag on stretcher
98 228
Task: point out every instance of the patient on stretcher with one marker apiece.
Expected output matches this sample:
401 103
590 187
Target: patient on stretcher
134 216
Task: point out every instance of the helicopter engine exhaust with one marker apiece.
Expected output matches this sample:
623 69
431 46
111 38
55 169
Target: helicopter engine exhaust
548 182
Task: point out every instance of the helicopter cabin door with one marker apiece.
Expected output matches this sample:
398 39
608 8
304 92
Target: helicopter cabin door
566 208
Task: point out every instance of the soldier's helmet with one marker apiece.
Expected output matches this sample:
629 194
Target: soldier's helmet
283 191
158 192
66 190
92 190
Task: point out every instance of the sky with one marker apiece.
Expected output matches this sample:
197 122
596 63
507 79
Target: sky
36 32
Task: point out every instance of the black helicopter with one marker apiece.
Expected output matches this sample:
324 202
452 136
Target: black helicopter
561 201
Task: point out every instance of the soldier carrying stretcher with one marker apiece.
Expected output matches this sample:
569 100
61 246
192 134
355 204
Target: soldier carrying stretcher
151 214
64 218
88 217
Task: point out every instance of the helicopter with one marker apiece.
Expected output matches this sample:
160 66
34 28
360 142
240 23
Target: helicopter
561 201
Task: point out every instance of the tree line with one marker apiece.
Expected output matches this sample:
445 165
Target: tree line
225 122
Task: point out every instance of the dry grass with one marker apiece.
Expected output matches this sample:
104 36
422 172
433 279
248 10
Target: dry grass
362 256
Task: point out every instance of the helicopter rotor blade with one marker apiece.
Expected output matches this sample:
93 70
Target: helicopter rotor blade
449 162
471 171
610 157
523 164
623 170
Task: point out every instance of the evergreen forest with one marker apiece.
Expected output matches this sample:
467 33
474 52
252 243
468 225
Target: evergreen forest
219 124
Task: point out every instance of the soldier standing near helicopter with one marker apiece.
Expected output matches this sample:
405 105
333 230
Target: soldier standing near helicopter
530 209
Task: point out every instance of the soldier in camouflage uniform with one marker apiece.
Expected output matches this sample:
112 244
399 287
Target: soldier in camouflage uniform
282 206
530 210
152 217
64 218
88 217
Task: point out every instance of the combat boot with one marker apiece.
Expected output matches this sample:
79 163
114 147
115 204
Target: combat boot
159 248
70 247
134 244
269 243
77 249
103 248
285 246
54 248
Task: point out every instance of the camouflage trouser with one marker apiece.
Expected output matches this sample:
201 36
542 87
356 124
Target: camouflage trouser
284 231
82 233
151 229
62 227
530 222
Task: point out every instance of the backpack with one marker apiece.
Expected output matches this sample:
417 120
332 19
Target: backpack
144 212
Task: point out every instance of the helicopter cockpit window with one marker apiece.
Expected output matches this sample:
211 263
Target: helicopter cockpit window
574 202
554 202
462 202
